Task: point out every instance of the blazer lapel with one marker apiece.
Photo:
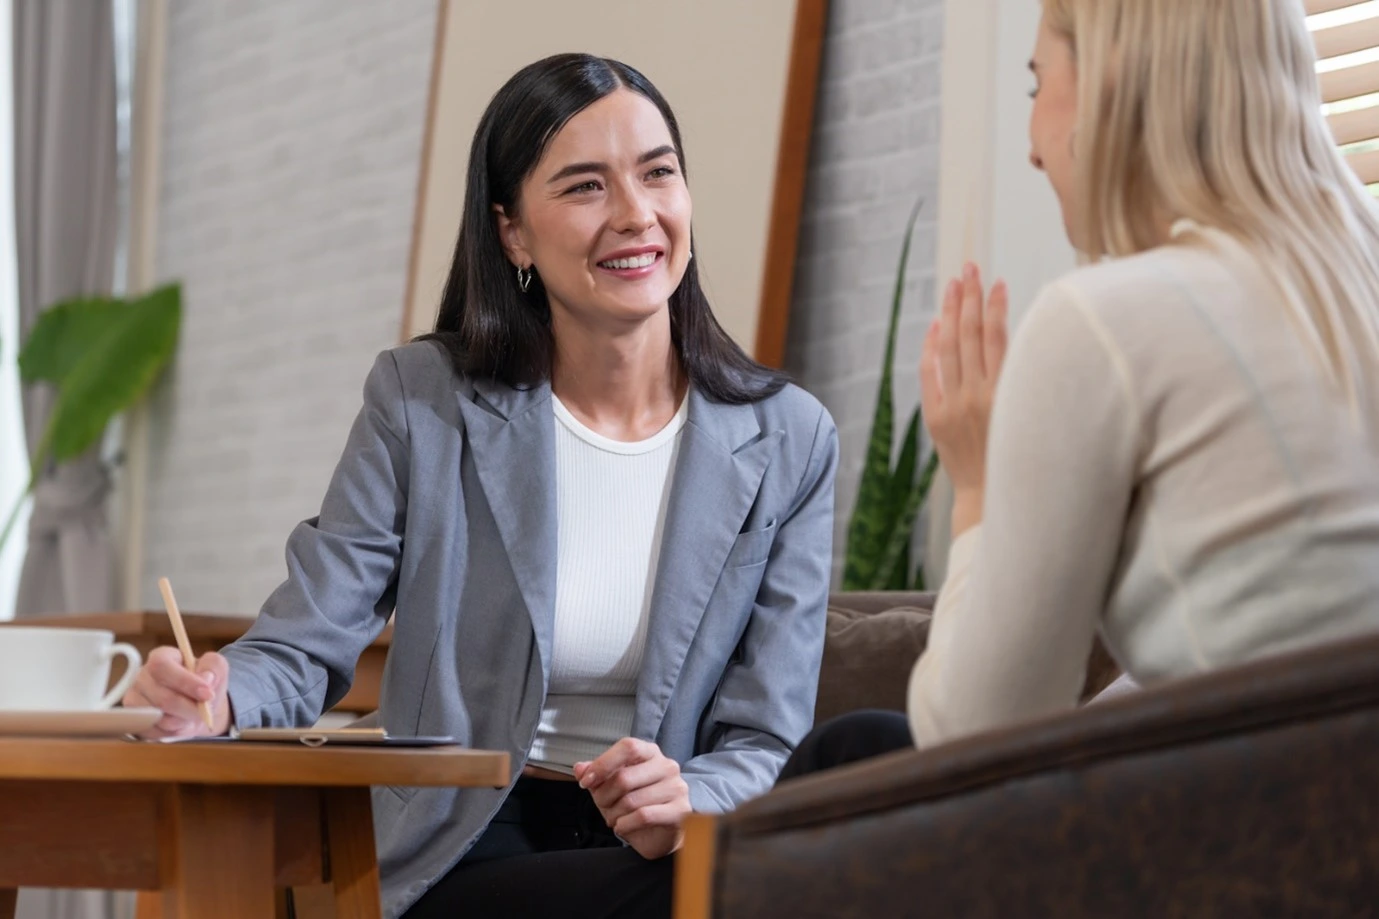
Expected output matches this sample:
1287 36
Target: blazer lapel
722 459
510 434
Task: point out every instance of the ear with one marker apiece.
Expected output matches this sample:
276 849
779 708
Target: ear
513 239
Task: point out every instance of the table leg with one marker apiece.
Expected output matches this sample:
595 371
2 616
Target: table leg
148 904
353 860
217 852
316 901
9 902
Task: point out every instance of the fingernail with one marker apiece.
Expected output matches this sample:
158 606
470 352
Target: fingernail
208 679
205 694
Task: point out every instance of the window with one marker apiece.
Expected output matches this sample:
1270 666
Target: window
14 464
1346 33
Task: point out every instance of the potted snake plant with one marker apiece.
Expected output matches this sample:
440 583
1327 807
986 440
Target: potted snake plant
891 493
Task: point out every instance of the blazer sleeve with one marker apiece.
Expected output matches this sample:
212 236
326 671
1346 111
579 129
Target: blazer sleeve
765 704
298 658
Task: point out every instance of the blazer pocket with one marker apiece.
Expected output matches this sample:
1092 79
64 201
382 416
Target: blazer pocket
752 548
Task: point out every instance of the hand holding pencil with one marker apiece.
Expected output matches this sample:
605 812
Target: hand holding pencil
190 691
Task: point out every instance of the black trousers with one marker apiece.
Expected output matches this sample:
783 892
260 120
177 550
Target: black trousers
549 853
846 739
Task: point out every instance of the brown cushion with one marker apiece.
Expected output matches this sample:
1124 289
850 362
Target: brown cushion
878 601
873 639
868 658
1102 670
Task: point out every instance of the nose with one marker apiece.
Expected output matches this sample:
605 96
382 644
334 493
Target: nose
634 213
1036 161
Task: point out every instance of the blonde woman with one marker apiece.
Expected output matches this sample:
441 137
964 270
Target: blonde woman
1183 448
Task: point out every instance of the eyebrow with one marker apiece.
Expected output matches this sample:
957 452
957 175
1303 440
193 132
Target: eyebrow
575 169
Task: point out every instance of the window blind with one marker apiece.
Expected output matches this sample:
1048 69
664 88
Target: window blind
1346 34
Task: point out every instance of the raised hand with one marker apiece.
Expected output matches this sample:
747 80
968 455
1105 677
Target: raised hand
963 353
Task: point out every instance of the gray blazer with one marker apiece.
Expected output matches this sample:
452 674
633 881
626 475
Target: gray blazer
443 506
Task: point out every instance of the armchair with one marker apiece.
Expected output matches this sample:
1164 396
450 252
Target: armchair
1247 792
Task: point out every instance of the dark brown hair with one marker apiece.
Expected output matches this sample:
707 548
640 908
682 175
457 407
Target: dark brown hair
491 329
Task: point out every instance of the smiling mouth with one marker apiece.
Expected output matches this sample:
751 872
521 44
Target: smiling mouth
646 260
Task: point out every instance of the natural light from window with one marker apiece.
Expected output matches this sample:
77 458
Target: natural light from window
13 462
1348 48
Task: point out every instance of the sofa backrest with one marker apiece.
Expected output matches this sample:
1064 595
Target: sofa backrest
872 644
1245 792
873 641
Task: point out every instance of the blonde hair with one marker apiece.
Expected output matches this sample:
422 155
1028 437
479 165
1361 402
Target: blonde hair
1209 110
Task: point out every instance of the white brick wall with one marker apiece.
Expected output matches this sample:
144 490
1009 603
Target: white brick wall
875 152
291 143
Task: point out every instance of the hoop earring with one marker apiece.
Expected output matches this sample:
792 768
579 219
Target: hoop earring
523 278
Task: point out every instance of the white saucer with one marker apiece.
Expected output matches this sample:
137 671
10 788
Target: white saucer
111 722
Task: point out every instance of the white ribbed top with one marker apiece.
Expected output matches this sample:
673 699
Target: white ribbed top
611 501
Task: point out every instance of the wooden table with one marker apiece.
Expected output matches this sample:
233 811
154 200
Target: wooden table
217 828
209 632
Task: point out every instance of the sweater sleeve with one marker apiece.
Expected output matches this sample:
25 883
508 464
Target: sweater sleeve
1026 589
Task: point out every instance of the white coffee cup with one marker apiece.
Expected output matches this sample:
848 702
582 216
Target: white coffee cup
49 670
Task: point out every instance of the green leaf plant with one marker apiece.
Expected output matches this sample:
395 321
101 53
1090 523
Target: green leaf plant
101 355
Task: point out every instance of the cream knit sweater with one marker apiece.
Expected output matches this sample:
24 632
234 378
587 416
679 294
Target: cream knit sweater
1168 465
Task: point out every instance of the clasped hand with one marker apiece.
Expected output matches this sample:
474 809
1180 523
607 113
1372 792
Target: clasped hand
641 794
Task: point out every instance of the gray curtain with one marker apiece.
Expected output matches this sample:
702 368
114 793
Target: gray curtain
66 220
66 223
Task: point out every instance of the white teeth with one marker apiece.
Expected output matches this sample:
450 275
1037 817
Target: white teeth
641 261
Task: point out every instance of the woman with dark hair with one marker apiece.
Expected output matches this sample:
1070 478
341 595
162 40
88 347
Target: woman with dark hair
606 533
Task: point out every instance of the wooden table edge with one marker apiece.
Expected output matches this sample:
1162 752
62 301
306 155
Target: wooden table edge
126 623
248 763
